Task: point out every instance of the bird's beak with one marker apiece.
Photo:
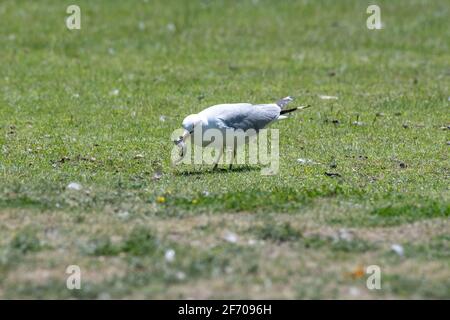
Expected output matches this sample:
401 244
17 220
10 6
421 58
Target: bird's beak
182 138
185 135
181 142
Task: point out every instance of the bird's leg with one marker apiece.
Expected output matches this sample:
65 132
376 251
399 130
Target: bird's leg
233 157
216 163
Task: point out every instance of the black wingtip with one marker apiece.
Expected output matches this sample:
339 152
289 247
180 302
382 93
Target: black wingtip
288 110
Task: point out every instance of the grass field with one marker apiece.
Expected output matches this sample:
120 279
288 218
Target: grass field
87 106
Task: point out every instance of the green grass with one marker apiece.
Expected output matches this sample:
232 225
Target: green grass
275 232
60 123
436 248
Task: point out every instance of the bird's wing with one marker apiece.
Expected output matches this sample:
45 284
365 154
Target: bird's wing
244 116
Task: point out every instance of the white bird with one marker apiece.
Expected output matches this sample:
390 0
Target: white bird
234 116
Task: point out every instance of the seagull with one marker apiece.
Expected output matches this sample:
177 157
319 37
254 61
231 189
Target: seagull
244 117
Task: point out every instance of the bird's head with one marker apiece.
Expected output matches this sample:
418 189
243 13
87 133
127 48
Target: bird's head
189 124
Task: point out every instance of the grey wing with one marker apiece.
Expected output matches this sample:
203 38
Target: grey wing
251 116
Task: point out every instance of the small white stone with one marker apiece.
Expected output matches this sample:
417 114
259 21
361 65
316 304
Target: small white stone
306 161
180 275
325 97
123 214
354 291
170 255
171 27
398 249
74 186
346 235
157 175
114 92
231 237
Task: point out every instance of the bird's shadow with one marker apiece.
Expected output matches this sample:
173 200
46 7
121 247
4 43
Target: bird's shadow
209 171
